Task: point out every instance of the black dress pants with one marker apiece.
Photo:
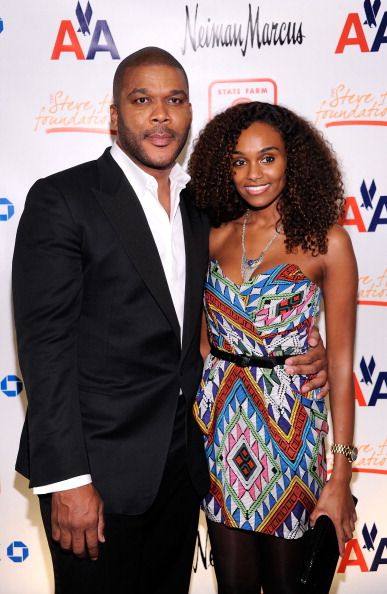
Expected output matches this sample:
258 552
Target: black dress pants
146 554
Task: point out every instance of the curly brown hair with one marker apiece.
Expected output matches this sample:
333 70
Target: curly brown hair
313 197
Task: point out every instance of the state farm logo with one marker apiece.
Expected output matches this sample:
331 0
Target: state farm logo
349 107
226 93
70 38
367 31
66 113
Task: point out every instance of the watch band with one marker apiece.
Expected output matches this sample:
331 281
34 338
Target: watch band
349 451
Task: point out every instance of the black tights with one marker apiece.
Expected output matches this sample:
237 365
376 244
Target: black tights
247 561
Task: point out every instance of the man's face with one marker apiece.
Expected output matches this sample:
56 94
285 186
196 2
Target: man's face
153 116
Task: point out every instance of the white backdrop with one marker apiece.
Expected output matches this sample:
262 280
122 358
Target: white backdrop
327 60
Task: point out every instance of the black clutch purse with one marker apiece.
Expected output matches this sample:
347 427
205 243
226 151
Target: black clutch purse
322 554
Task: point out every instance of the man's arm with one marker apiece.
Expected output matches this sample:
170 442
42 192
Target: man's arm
313 363
47 292
77 520
73 511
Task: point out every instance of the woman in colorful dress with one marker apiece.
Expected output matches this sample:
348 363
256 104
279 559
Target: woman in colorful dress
273 190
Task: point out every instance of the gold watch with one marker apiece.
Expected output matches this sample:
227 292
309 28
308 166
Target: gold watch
349 451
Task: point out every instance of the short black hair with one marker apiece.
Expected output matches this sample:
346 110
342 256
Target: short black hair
145 56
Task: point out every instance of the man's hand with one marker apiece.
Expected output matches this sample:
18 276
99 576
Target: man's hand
312 363
77 520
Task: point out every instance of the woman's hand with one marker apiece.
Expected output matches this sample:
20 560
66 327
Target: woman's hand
336 502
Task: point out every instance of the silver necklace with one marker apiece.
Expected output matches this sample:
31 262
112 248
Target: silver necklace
248 265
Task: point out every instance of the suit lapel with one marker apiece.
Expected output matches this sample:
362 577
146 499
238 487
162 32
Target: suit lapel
194 274
123 209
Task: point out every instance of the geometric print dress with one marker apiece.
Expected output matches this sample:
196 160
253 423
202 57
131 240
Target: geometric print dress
263 439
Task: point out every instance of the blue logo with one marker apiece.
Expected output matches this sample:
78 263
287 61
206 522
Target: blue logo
7 209
17 551
1 26
354 556
67 40
371 10
84 18
378 206
11 385
376 383
369 537
374 209
367 370
353 33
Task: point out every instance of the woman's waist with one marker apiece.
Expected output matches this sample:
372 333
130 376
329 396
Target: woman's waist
222 359
264 347
244 356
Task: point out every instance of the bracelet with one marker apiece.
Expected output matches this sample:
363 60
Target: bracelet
349 451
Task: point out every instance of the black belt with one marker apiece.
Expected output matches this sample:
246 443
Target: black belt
248 360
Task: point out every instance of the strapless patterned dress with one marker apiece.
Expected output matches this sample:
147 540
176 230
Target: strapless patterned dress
264 440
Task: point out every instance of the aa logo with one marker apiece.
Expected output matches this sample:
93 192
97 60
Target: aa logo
367 32
371 213
68 39
354 555
372 384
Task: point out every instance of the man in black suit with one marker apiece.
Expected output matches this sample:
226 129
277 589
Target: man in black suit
108 271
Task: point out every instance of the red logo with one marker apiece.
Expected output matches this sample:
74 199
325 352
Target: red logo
226 93
67 40
355 27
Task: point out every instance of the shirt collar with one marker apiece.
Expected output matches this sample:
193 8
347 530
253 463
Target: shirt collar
142 181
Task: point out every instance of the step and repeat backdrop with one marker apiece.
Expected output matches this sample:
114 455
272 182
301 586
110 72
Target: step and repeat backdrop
325 59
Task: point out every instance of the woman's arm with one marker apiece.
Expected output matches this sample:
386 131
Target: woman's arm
340 280
204 344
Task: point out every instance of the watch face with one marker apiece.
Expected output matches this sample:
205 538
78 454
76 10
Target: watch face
353 454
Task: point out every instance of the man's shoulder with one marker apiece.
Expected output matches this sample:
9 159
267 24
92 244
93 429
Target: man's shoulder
75 185
188 198
81 174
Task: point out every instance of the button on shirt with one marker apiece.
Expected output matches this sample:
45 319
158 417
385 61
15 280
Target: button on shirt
167 231
168 235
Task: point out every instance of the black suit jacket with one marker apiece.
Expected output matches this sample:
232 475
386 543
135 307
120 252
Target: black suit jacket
98 337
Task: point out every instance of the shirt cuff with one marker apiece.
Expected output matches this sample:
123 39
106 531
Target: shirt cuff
71 483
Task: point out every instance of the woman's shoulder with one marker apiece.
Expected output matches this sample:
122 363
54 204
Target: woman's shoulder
221 235
338 239
340 254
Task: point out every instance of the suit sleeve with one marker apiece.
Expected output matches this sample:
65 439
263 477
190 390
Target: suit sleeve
47 295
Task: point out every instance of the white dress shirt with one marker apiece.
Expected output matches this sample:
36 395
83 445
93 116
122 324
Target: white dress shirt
168 235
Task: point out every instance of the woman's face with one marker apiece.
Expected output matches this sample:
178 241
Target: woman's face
259 165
